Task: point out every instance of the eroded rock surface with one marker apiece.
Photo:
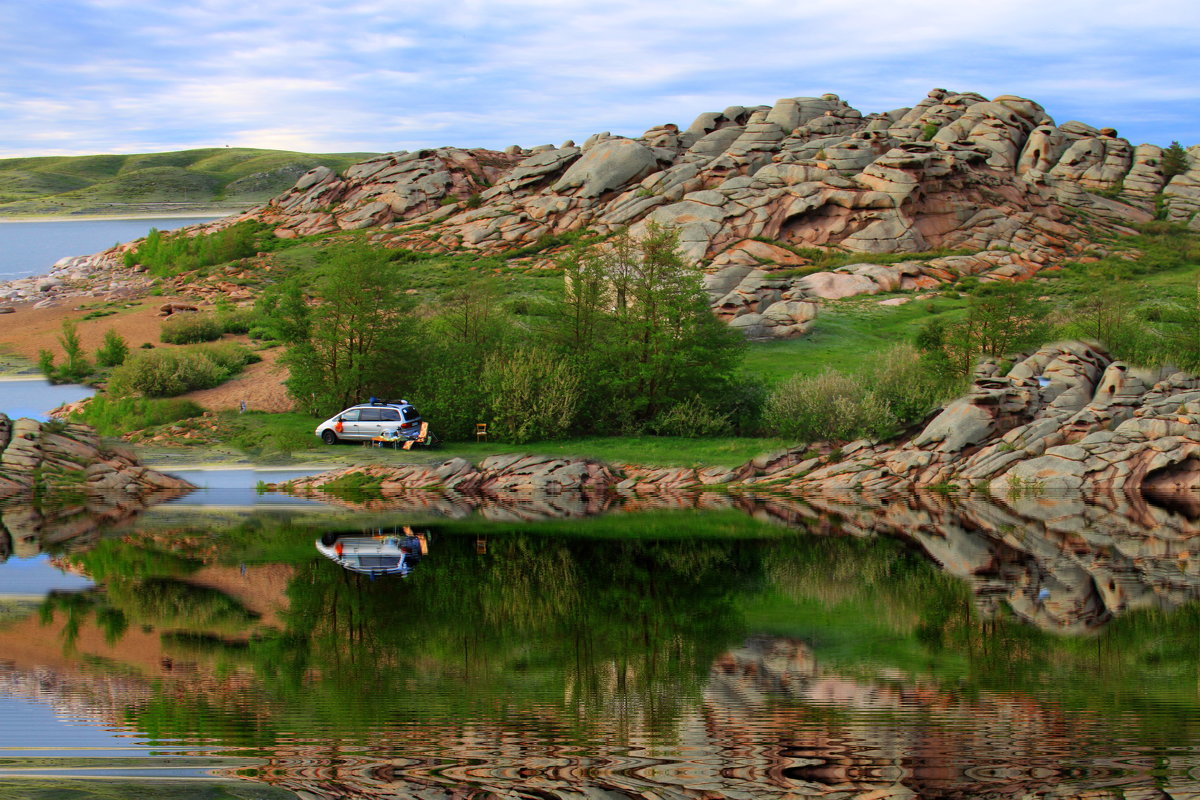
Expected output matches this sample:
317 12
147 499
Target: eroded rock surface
749 187
1065 417
47 456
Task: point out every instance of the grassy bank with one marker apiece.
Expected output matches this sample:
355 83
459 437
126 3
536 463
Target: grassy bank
181 181
278 439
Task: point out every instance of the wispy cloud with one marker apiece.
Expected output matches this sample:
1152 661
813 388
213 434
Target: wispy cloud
121 75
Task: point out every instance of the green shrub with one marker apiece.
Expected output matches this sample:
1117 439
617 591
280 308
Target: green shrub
532 395
691 417
45 364
113 351
168 373
1174 160
115 416
910 384
190 328
76 366
355 487
928 131
237 320
167 254
830 406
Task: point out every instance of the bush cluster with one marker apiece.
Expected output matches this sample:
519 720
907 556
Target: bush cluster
898 390
630 346
168 373
191 328
115 416
167 254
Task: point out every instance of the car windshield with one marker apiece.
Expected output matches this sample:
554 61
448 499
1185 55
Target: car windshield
409 413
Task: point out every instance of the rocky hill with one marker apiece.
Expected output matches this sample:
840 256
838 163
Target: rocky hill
969 185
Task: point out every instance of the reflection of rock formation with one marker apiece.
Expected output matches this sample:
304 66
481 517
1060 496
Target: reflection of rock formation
1064 563
1061 561
27 529
773 723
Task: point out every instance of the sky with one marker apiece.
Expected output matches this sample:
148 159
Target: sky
128 76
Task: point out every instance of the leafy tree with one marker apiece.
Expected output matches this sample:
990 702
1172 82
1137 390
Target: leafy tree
76 366
114 350
358 336
1002 318
283 313
635 319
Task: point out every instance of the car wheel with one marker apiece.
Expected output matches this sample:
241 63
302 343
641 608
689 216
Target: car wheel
329 539
329 437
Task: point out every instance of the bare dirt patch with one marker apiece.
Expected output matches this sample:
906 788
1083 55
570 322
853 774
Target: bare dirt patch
29 330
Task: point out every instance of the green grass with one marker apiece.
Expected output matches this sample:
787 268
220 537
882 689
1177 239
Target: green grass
268 437
227 175
846 336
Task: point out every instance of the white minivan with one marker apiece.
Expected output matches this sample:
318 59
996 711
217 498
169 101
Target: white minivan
368 420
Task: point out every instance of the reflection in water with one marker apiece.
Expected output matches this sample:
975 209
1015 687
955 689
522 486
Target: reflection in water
768 647
375 552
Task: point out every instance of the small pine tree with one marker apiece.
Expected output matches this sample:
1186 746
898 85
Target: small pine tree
76 367
114 350
45 364
1174 161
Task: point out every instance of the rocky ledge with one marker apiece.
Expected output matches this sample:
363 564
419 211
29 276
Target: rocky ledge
41 456
1067 416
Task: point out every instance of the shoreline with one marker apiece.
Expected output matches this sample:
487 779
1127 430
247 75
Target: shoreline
120 217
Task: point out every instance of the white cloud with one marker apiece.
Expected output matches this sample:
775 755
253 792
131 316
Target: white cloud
365 74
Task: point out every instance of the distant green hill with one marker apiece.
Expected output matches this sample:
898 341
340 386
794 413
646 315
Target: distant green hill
212 178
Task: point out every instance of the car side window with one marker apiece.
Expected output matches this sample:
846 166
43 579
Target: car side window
350 416
410 413
370 415
389 414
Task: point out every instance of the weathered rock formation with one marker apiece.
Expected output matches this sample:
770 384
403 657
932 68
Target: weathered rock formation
46 456
748 187
1065 417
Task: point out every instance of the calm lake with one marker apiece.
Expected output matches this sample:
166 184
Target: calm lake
31 248
688 646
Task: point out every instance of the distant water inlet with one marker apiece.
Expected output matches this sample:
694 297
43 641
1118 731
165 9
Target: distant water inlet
31 248
35 397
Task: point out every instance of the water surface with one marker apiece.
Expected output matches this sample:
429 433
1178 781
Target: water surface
36 397
31 248
726 647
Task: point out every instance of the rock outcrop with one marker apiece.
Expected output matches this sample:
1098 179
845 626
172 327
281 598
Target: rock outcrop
1064 417
751 190
36 456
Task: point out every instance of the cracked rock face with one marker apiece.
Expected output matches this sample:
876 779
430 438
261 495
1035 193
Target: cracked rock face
997 178
1065 417
37 456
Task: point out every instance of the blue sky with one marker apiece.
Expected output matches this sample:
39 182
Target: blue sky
94 76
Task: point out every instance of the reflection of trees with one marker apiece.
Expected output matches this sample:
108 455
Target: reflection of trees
586 631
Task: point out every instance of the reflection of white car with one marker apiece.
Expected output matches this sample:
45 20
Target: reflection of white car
381 554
